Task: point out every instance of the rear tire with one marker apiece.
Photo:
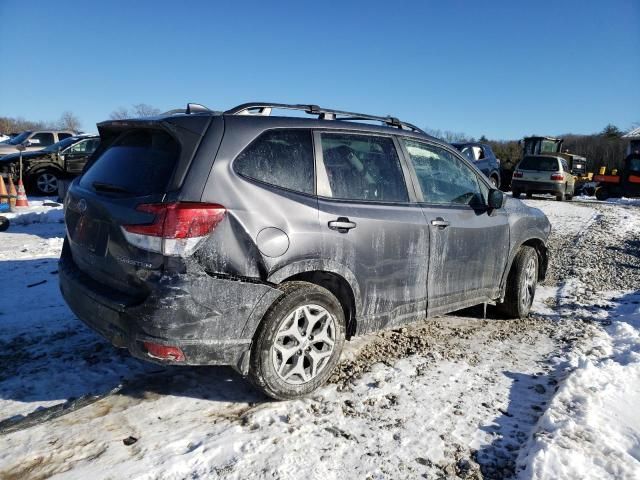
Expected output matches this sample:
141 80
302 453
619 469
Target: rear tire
529 195
602 193
521 284
515 194
298 343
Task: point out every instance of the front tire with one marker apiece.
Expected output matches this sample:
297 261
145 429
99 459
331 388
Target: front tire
45 182
298 342
521 284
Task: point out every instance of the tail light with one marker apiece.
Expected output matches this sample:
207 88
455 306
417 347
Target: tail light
176 229
517 174
557 176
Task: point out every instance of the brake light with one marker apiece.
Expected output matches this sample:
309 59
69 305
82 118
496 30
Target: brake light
177 228
557 176
517 175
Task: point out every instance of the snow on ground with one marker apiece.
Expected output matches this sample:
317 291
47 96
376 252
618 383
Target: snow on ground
453 397
591 429
40 210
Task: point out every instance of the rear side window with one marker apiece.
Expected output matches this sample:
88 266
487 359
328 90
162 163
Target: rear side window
542 164
139 162
62 136
283 158
363 167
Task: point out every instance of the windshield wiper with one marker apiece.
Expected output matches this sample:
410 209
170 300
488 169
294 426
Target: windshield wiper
109 187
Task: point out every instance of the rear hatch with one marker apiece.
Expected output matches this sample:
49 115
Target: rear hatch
142 162
537 169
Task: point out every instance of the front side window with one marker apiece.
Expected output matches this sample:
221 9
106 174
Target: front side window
443 177
363 167
283 158
43 139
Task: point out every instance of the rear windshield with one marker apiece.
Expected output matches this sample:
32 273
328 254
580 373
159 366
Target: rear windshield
139 162
542 164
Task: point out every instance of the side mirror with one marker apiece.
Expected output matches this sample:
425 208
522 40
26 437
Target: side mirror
496 199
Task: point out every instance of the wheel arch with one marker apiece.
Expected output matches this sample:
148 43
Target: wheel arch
336 278
543 260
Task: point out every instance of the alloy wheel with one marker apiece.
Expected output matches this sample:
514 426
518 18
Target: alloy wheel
529 283
47 183
304 344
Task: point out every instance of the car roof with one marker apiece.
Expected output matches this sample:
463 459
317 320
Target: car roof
320 118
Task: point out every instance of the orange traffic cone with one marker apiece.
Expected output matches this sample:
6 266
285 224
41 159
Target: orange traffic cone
12 192
21 201
3 191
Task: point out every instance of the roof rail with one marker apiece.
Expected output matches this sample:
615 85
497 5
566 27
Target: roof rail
264 108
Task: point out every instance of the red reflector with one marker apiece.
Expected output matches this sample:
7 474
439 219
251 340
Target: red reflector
164 352
517 174
179 220
557 176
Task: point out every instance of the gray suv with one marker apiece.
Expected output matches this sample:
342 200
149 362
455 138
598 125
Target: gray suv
263 242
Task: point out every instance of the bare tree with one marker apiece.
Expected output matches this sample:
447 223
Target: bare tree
138 110
145 110
68 121
119 113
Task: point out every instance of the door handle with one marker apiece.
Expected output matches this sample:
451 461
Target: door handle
342 224
440 222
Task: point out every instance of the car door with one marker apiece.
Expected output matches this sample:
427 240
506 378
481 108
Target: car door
75 157
469 243
370 226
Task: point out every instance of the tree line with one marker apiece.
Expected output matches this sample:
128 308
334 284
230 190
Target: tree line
605 148
69 121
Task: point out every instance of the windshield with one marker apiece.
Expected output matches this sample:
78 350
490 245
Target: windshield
19 139
541 164
62 144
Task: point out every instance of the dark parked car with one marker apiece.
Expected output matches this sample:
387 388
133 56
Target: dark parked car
42 169
483 158
263 242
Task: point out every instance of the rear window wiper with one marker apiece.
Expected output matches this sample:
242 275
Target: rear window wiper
109 187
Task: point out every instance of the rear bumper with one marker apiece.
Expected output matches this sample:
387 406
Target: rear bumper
209 331
537 187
